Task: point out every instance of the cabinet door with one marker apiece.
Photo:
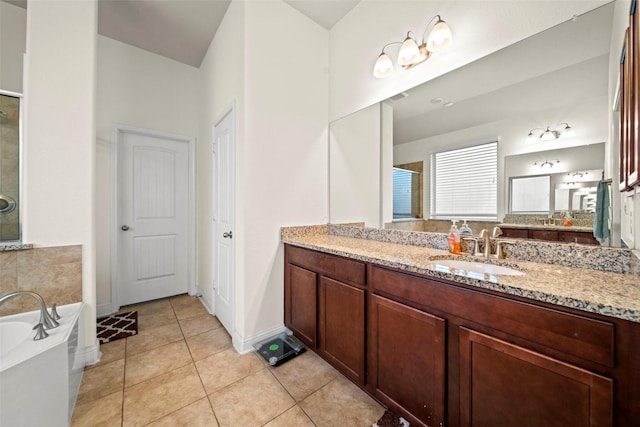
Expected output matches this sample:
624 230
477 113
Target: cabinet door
300 302
408 360
544 235
507 385
584 238
342 327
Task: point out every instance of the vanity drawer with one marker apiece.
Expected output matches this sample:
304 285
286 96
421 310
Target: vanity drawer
544 235
343 269
575 335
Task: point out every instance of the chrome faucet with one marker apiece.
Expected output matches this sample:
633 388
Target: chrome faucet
484 235
47 321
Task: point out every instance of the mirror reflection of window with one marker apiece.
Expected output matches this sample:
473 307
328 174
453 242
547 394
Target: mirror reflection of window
530 194
9 167
407 191
464 183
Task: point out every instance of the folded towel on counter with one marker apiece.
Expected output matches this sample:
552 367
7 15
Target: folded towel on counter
601 223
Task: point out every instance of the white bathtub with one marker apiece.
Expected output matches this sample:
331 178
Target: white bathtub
39 380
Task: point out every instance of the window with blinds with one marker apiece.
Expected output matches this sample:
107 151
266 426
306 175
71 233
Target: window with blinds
464 183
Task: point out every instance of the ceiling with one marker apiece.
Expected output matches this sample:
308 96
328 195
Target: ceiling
183 29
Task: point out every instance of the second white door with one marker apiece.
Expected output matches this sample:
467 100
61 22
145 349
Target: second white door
153 223
224 161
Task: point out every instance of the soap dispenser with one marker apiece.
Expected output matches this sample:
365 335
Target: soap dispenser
454 238
465 229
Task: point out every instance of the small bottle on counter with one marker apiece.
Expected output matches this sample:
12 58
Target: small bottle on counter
454 238
465 229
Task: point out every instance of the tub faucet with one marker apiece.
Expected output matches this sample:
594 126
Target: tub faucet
46 320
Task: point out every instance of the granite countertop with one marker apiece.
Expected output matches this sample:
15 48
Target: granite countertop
606 293
548 227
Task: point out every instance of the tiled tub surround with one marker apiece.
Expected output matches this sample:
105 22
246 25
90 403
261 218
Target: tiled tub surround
592 279
53 272
436 225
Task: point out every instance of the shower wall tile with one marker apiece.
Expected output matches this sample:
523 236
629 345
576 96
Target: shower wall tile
54 272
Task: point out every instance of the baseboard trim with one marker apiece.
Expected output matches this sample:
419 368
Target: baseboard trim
105 310
89 355
244 346
205 303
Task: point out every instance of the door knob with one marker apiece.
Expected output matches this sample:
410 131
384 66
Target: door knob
124 228
228 235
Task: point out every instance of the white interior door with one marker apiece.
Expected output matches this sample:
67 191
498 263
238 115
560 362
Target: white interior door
224 174
153 216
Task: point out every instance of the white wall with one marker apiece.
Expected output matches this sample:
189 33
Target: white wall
285 152
479 28
136 88
281 149
13 41
221 86
59 150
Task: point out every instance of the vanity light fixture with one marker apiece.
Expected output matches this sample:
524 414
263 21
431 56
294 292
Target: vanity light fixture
412 54
547 164
548 134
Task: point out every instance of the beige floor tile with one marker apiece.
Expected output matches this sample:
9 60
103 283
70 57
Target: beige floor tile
198 414
151 321
251 402
199 324
186 307
153 338
160 396
101 381
341 403
111 352
304 374
208 343
143 366
104 412
226 367
149 308
294 417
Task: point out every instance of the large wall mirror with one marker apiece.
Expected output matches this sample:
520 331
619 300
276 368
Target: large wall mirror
556 78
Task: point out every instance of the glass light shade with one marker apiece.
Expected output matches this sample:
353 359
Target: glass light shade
568 132
548 135
440 37
409 52
383 67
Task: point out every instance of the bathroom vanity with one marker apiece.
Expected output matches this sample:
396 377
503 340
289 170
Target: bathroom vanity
444 349
582 235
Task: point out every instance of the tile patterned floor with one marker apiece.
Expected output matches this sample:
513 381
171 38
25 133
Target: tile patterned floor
181 370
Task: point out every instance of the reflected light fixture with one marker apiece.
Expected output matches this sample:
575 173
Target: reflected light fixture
412 54
547 164
548 134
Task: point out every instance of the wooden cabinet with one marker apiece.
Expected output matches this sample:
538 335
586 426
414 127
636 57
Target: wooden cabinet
342 326
301 303
629 104
443 353
502 384
407 356
325 307
561 235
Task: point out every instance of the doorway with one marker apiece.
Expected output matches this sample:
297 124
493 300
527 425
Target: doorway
154 236
223 218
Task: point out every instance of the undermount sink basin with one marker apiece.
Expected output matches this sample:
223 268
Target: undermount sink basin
453 265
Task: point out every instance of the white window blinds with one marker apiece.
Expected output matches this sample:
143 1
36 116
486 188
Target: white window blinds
464 183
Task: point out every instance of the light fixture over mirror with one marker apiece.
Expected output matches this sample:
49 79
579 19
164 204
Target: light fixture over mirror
548 134
547 164
412 54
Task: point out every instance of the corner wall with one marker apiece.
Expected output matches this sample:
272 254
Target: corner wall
59 151
279 85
